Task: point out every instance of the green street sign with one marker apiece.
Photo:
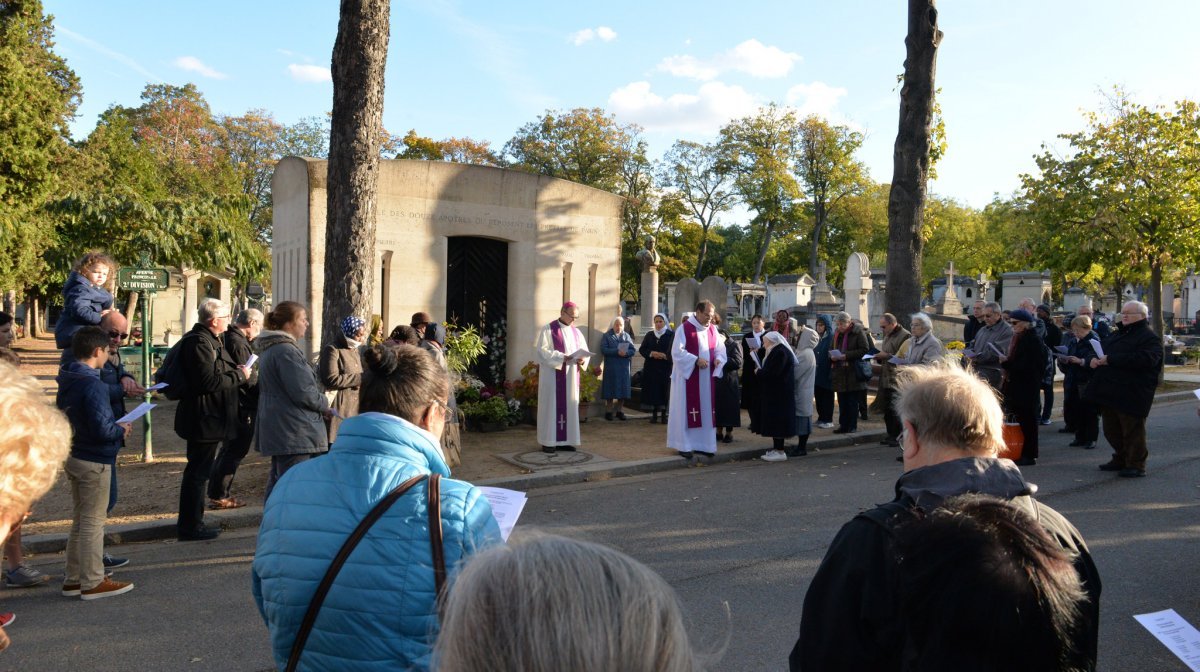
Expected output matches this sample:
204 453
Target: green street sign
144 279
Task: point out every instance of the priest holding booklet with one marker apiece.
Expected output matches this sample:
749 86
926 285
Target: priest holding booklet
560 351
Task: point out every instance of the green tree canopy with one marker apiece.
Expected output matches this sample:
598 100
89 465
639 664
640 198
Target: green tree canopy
1125 193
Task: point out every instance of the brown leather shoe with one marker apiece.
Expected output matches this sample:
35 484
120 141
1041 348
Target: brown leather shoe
106 588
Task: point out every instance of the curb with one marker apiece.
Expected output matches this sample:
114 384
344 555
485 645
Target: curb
251 516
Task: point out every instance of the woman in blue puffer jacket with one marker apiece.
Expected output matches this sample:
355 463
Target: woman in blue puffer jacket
381 611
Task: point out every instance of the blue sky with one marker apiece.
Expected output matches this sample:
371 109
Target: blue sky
1013 74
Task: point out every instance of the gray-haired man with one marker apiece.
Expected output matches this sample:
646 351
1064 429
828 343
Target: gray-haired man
238 338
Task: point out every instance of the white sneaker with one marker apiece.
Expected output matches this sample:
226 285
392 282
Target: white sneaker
774 456
825 425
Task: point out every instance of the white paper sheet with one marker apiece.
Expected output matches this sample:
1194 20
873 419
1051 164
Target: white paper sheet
1197 393
622 348
156 386
506 507
1175 633
1096 346
754 341
250 362
1061 348
754 358
998 351
142 409
869 356
581 353
969 353
836 354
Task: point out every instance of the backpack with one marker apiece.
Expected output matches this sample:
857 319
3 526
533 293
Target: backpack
171 372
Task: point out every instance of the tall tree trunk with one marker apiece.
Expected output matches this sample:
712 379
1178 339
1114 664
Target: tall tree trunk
33 328
762 251
359 57
910 161
703 251
1156 309
818 229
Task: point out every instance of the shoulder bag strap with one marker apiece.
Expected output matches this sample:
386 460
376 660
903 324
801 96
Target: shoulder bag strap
435 533
314 607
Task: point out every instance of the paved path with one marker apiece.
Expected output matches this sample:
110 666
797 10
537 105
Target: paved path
747 535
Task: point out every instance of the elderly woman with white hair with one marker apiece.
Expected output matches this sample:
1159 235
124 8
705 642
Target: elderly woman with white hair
923 347
617 348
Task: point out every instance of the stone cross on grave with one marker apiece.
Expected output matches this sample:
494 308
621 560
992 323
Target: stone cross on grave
950 276
822 269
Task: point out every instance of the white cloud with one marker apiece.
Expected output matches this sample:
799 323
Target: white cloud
309 73
193 64
750 57
817 98
602 33
111 53
713 105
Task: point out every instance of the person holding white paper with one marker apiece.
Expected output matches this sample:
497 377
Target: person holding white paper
1024 365
617 348
1122 386
238 339
699 357
1077 373
558 380
894 336
382 612
996 334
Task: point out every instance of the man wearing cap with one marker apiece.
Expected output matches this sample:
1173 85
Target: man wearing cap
558 380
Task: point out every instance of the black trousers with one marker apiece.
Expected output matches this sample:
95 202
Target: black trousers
229 458
848 403
1071 403
824 400
1047 400
200 455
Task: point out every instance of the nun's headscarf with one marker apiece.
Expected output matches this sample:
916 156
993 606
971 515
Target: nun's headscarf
658 333
778 339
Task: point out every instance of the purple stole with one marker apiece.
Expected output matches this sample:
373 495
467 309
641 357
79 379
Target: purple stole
692 345
560 384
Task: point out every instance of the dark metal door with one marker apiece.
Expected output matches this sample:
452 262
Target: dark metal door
477 295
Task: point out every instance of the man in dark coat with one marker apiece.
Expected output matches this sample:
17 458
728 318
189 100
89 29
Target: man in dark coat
1052 338
894 335
207 412
852 618
238 336
1122 386
974 322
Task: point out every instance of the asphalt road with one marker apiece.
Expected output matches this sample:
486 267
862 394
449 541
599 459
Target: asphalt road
739 542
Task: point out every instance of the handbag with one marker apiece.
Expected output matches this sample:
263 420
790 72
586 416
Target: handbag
862 370
435 542
1014 440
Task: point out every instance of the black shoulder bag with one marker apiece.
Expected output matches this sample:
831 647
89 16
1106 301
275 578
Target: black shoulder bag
435 542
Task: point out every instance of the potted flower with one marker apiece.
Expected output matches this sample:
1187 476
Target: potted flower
487 415
524 390
589 388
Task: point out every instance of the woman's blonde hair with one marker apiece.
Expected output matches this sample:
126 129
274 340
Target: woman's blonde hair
35 438
547 604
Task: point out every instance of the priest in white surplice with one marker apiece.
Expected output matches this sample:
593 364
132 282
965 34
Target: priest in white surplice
558 381
698 355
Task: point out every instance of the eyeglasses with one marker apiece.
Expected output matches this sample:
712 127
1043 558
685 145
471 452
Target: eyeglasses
114 334
444 405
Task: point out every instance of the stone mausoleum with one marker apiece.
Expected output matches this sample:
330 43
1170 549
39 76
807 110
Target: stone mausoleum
496 248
